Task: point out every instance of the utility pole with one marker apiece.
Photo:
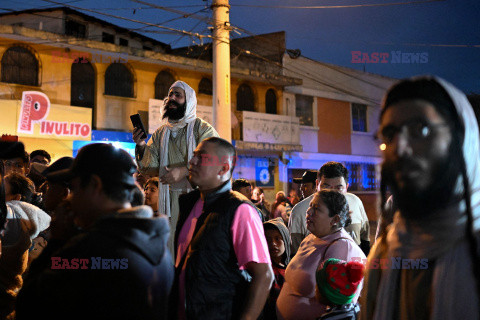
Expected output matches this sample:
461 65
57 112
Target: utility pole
221 69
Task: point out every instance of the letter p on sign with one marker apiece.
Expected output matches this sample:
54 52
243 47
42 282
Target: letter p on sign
35 107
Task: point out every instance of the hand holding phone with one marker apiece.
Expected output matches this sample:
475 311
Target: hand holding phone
137 123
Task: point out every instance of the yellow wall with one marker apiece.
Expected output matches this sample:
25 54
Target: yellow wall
113 112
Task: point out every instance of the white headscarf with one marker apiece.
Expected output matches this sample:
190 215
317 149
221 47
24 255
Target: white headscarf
442 239
173 126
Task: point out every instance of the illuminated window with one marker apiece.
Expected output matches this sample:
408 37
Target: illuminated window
362 176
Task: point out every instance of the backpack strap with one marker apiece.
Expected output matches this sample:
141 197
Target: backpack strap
328 246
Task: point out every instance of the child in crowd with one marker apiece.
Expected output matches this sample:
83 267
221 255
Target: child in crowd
337 283
151 195
278 240
281 208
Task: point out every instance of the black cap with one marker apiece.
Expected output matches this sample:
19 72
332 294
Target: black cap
308 176
60 164
108 162
11 149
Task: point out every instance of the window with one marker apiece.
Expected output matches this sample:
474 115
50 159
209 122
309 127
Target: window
163 81
271 102
147 48
362 176
75 29
123 42
205 86
118 81
304 109
359 117
107 37
20 66
82 92
245 99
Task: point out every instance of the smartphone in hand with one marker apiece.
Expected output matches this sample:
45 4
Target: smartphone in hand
137 123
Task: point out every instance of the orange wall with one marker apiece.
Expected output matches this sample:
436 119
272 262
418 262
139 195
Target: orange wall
334 123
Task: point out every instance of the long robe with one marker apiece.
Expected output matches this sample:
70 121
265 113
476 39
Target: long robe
177 157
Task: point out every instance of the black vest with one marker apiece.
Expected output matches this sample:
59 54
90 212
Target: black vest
215 288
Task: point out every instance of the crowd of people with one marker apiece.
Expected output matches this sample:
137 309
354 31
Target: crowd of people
170 235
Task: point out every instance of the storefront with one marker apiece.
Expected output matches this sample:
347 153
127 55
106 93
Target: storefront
41 125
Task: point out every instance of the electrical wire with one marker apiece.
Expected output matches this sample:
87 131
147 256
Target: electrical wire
336 7
130 20
241 50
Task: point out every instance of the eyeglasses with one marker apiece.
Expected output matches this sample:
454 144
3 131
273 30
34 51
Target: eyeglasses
416 130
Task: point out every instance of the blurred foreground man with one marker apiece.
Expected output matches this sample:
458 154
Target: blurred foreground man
222 261
105 259
431 163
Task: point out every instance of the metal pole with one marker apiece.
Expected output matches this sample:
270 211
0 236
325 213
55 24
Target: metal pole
221 69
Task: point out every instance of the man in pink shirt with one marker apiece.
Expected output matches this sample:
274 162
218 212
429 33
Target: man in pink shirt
223 268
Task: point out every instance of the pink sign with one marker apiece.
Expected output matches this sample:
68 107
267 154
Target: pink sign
35 107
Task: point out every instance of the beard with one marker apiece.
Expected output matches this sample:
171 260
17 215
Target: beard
416 202
174 113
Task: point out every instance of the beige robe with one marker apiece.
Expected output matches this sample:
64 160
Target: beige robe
177 157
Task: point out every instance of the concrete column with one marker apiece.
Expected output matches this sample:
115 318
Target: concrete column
221 69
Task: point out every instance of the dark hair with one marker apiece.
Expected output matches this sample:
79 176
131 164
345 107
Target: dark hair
154 180
7 148
25 187
337 205
281 199
41 152
333 169
227 149
116 191
240 183
25 157
138 197
260 189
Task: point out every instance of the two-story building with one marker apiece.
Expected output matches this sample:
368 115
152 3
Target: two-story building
100 73
339 109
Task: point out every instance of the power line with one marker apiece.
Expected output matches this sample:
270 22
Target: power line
211 37
173 19
336 7
186 14
131 20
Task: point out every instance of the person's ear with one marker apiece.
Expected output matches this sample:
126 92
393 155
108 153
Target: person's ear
225 168
335 220
95 183
317 184
17 197
65 193
346 186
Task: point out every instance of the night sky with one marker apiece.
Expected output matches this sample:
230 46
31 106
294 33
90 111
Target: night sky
427 37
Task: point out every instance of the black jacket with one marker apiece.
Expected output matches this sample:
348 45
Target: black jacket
215 287
128 275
